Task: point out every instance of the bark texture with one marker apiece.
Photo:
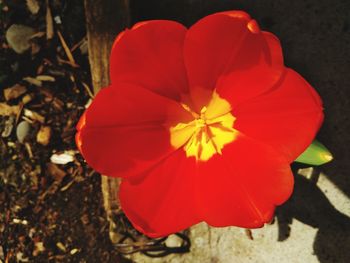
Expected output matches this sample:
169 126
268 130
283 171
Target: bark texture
104 20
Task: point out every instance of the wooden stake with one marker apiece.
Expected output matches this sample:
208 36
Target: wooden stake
105 19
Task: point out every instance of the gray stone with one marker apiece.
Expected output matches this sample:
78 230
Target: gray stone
22 131
18 37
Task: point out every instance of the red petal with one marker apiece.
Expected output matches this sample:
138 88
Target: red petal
243 185
286 118
227 51
125 105
256 69
126 130
151 55
161 202
208 45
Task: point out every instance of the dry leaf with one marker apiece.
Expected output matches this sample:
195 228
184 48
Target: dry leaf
9 123
34 116
45 78
33 81
14 92
7 110
33 6
44 135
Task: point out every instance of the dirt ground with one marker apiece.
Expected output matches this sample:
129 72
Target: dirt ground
51 203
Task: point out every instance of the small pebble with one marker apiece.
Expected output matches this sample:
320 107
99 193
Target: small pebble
22 131
58 20
306 172
62 158
173 241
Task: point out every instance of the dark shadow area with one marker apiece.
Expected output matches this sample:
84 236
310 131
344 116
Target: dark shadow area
310 206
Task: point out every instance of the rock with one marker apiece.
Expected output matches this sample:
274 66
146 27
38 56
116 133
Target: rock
173 241
62 158
22 131
18 37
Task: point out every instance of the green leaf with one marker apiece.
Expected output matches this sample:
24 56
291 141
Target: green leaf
315 154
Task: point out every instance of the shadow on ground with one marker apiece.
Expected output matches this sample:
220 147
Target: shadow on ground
310 206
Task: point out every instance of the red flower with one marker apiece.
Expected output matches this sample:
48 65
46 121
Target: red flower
201 124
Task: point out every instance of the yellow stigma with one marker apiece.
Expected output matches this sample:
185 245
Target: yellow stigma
209 131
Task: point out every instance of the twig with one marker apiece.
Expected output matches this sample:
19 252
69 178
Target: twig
66 49
49 22
87 88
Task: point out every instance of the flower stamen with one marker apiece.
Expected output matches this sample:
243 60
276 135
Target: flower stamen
208 132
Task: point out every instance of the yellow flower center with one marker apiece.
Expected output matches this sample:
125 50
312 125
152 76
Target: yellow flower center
209 131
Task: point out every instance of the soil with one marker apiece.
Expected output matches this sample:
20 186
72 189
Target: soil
51 202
